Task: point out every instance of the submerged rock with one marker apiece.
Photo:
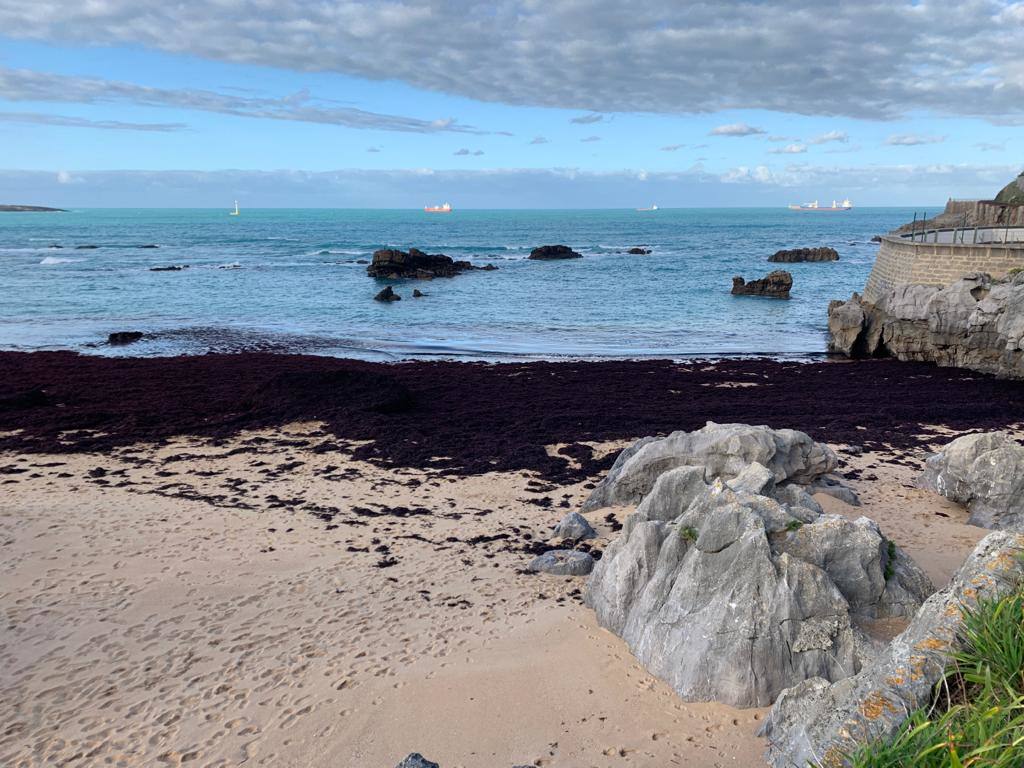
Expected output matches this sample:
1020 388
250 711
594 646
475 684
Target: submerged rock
393 264
562 562
169 268
804 254
719 450
388 294
739 596
775 285
975 322
417 293
574 526
120 338
549 252
984 472
638 251
818 723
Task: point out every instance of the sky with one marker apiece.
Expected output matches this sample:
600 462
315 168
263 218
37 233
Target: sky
535 104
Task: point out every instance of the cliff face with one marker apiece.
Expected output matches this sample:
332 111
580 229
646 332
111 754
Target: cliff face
1012 193
975 323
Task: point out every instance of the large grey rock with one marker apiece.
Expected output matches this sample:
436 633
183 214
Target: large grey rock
845 323
416 760
975 322
722 450
562 562
875 576
817 723
574 526
985 472
731 601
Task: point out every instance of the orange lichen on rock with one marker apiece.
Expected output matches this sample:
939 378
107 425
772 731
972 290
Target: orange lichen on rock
876 705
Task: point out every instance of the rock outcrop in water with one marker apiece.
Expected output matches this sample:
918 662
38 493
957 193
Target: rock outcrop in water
120 338
975 323
387 294
818 723
804 254
984 472
393 264
728 582
775 285
552 252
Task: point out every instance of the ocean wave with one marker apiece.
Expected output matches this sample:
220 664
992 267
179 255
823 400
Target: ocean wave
52 260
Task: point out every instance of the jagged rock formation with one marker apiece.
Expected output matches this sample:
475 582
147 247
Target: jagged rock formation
776 285
728 582
718 450
985 472
804 254
393 264
975 323
817 723
550 252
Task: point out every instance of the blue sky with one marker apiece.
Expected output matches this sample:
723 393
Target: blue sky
502 103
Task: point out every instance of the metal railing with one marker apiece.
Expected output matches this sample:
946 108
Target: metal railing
967 235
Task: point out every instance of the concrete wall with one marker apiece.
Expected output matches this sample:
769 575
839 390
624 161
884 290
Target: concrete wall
901 261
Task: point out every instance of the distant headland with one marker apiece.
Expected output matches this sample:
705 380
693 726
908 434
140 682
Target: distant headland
29 208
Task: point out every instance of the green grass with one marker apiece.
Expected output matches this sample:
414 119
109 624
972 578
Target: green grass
689 533
890 567
794 525
977 718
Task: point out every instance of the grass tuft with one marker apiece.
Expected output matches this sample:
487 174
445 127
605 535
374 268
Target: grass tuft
977 718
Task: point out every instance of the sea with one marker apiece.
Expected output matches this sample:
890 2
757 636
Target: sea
294 280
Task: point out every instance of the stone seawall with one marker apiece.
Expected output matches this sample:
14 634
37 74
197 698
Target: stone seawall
901 262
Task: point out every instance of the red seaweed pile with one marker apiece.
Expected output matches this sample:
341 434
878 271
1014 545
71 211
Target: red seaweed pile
471 418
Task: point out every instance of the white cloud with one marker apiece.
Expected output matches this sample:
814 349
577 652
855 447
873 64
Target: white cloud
825 138
912 140
538 140
672 147
736 129
789 149
64 121
873 59
587 119
590 139
29 85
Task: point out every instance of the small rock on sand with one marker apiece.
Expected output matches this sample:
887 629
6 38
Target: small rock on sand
562 562
574 526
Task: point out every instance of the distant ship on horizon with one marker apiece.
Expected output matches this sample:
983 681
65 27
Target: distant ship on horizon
843 206
236 211
446 208
649 208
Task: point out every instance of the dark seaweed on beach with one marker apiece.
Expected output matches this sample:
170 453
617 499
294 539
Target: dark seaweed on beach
472 418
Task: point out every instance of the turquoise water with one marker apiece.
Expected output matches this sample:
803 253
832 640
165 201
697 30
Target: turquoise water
288 280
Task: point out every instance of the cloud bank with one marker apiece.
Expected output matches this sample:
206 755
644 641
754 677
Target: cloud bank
872 59
515 188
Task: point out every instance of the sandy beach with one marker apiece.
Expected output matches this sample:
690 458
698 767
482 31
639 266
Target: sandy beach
275 598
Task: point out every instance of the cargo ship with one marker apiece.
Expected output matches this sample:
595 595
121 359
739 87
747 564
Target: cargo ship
649 208
446 208
843 206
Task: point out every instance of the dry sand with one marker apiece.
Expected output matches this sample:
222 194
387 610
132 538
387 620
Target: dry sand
184 605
